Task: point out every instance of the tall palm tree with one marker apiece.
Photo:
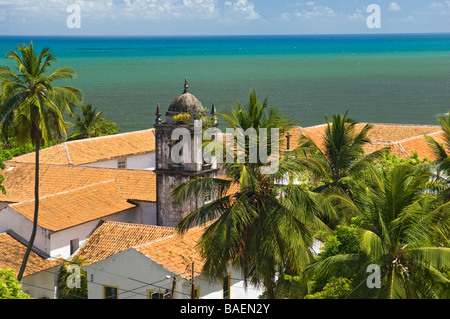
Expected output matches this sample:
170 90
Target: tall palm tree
262 226
34 108
92 124
404 231
340 161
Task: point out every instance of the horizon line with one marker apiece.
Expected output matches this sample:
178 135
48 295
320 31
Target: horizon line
224 35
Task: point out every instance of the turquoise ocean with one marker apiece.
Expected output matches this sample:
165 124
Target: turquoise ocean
376 78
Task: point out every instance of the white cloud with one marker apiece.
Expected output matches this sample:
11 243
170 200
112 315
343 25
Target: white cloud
393 6
243 7
357 15
130 9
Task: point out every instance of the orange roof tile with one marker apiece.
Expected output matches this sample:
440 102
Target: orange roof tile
135 184
12 252
112 237
403 139
67 209
421 146
94 149
177 253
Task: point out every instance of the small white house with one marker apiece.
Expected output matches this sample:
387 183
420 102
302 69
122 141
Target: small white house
67 219
161 269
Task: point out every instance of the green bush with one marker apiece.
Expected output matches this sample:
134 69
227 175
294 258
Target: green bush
10 287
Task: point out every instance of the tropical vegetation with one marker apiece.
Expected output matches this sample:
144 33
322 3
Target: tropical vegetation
10 287
91 123
367 210
33 109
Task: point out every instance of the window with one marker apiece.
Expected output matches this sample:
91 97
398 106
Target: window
110 292
122 163
226 284
74 245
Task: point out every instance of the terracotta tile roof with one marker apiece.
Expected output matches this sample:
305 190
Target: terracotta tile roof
112 237
94 149
135 184
420 145
12 252
67 209
403 139
177 253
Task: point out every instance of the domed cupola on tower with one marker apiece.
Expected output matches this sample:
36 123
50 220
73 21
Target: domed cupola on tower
185 103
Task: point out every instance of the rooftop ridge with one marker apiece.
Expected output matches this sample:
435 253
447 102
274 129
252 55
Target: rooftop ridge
69 160
138 225
81 167
108 136
67 192
174 235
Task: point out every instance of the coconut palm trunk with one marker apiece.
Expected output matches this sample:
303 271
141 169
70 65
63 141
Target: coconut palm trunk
31 108
36 211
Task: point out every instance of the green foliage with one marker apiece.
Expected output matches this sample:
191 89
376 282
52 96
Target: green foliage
91 124
182 118
336 288
64 291
10 287
12 149
342 240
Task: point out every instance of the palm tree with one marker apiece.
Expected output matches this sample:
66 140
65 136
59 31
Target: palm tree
342 156
340 161
262 226
404 231
442 153
34 109
92 124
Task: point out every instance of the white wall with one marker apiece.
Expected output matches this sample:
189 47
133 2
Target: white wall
42 284
145 212
141 161
57 244
135 278
60 241
10 219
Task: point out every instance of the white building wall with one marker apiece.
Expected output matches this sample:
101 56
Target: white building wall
145 213
41 285
10 219
57 244
135 274
141 161
60 241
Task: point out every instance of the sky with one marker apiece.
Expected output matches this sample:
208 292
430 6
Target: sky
220 17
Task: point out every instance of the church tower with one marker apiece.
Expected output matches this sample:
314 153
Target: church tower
169 173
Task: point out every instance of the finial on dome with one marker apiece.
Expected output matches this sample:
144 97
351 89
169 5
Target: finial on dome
186 86
158 114
214 115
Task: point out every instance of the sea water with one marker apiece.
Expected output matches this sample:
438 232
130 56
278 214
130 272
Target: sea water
395 78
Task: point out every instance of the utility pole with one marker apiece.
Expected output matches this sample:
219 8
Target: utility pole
174 282
192 282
